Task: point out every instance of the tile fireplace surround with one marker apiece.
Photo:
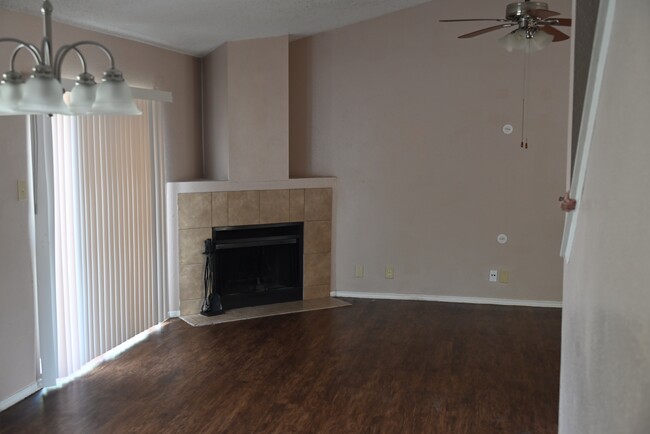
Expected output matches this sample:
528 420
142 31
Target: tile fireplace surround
194 208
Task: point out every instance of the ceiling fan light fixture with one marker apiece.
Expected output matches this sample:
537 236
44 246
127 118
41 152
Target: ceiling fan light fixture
539 41
515 40
524 40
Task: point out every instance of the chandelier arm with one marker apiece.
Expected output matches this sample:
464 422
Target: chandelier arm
46 49
46 42
64 50
31 48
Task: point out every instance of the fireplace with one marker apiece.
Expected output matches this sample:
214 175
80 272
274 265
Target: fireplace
258 264
195 215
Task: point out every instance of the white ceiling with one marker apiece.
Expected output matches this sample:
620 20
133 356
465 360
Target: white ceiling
199 26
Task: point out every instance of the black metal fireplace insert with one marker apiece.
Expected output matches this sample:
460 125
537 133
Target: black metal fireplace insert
258 264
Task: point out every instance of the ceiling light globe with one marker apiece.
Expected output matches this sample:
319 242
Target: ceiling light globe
114 96
540 40
82 98
43 94
83 94
11 91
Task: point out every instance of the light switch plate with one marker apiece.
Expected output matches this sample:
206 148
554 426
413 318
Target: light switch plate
22 190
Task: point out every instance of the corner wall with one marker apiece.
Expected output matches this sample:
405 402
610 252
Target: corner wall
246 117
604 383
216 153
409 119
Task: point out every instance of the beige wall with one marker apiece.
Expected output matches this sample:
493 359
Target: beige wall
143 66
17 327
216 152
253 133
605 382
409 119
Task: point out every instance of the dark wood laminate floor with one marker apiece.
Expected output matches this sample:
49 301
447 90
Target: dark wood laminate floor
373 367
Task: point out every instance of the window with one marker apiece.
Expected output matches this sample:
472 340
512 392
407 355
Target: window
108 181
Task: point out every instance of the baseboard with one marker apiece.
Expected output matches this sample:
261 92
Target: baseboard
18 396
448 299
174 313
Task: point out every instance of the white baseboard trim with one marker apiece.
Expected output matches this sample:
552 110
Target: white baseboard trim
174 313
448 299
18 396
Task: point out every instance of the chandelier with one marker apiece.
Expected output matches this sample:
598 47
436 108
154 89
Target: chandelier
42 93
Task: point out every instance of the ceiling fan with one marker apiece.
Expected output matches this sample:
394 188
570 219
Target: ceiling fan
535 24
535 30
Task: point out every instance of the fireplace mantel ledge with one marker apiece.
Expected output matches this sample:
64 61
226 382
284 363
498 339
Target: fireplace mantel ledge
205 186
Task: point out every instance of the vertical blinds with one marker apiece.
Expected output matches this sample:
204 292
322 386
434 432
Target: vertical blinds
109 231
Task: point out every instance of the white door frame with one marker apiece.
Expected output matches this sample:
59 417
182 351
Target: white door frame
587 124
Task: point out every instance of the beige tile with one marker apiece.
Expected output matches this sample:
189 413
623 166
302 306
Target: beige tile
191 307
318 204
191 281
194 210
297 205
243 207
315 291
316 269
274 206
318 237
191 245
268 310
219 209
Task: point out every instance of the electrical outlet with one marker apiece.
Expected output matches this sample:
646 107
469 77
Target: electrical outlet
493 275
22 190
390 272
358 271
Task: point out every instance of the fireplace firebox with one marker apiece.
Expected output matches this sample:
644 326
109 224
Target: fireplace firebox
258 264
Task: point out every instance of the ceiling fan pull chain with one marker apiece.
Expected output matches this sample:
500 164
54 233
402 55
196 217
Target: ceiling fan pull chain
524 138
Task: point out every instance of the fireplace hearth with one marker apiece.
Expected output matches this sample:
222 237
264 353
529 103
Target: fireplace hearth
258 264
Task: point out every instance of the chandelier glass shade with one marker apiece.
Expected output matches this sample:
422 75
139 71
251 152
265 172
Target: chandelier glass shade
42 93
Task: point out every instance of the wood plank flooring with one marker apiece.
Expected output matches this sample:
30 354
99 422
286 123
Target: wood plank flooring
373 367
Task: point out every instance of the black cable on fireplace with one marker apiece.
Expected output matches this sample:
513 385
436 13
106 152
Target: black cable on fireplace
211 301
207 284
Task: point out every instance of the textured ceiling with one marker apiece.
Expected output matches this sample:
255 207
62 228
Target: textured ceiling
199 26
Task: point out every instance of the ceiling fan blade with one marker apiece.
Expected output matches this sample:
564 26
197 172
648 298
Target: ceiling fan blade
566 22
473 19
557 35
489 29
542 13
